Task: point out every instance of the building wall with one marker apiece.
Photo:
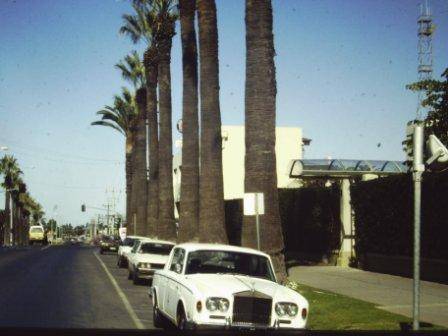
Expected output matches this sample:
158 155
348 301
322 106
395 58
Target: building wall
288 147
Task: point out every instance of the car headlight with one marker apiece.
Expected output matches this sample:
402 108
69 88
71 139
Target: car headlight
217 303
143 265
286 308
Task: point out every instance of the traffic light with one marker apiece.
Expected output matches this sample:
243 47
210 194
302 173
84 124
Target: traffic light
83 208
117 222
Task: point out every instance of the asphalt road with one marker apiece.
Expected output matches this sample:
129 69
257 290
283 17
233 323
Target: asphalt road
67 286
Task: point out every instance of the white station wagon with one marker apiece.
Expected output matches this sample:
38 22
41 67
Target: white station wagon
223 286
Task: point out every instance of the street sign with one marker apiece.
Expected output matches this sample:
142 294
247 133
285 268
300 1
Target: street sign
254 205
122 233
250 202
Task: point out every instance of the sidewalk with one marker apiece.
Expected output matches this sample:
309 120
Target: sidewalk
389 292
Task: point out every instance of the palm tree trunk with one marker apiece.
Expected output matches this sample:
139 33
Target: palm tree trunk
189 190
151 72
133 201
7 227
260 159
211 204
167 228
140 164
128 170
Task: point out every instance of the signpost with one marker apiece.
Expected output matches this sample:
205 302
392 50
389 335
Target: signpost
122 233
254 205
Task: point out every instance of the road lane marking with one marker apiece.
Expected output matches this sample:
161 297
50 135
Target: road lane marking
122 296
45 247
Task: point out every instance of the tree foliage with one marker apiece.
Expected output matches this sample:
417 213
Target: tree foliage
436 100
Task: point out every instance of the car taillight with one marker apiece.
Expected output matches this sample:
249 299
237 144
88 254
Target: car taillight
304 313
199 306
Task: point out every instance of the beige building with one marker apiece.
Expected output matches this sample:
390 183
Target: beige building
289 146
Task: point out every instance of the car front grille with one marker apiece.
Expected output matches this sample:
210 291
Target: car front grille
157 266
252 308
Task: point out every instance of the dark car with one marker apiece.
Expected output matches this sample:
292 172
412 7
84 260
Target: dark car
109 244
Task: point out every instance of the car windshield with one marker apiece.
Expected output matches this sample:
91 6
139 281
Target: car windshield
155 248
128 242
229 262
36 230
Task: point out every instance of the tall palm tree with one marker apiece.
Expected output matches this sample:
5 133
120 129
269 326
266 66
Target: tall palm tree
11 171
154 22
189 189
166 30
140 27
150 60
211 190
260 160
133 71
120 117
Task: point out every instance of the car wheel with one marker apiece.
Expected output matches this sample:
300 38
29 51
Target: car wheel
181 319
157 318
101 252
135 278
119 263
129 275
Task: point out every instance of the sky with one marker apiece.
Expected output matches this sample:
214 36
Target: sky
342 67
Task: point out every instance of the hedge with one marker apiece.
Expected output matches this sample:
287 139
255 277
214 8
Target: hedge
384 216
310 220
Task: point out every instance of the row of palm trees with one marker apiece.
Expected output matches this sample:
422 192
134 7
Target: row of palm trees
145 118
24 209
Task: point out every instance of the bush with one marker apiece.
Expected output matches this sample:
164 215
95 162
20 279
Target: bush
310 220
384 216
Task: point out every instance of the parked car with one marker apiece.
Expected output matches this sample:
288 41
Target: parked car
146 256
124 249
37 234
109 244
223 286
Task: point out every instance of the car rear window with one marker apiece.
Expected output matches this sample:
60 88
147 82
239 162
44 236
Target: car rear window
36 230
128 242
154 248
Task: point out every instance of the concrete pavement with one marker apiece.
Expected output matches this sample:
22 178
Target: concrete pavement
389 292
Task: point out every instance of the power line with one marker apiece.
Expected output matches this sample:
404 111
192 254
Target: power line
56 153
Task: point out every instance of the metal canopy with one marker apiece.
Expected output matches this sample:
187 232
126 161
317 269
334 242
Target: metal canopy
344 168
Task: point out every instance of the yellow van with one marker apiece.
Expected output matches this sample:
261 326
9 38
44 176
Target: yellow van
37 234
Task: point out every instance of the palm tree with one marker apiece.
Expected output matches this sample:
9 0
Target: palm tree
154 22
150 61
133 71
11 171
120 117
189 190
166 20
140 27
260 160
211 209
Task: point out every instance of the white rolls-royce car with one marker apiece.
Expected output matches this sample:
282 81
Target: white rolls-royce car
124 249
211 285
146 256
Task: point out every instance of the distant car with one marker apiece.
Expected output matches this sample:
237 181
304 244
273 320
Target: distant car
147 255
109 244
223 286
124 249
37 234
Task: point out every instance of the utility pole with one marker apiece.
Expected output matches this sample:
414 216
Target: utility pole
418 167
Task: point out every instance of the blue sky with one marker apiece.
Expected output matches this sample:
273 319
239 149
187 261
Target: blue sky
342 67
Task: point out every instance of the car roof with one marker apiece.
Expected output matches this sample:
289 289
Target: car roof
155 240
220 247
36 226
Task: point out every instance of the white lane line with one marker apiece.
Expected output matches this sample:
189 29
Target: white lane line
122 296
45 247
